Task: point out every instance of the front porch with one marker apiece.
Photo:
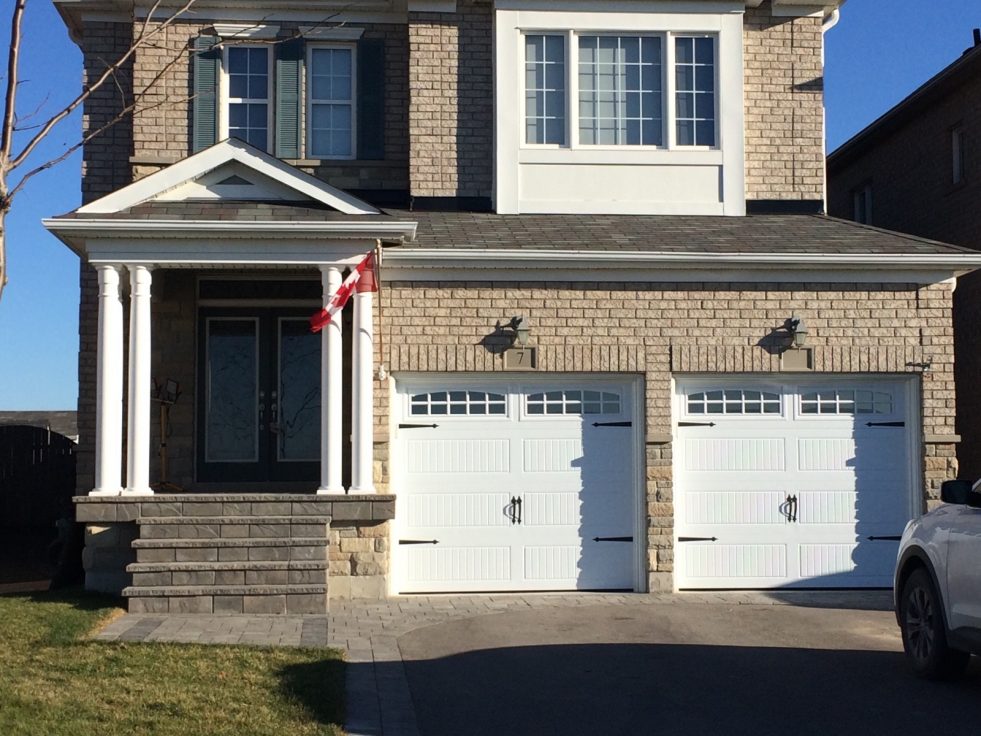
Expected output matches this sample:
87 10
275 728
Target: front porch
236 553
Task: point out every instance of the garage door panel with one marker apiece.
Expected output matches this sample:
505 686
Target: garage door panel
735 455
457 509
835 563
551 455
458 456
447 567
705 562
551 509
734 507
872 454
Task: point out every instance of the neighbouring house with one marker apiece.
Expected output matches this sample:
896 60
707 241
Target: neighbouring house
616 344
917 169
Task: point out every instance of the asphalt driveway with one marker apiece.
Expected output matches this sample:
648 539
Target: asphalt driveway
676 668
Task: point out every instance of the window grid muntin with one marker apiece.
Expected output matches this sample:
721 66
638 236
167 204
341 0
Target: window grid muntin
341 105
545 89
572 402
846 402
734 402
695 90
457 403
645 126
248 110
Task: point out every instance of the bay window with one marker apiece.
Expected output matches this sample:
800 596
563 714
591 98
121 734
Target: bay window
656 90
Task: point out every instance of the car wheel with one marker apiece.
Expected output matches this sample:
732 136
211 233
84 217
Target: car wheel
924 633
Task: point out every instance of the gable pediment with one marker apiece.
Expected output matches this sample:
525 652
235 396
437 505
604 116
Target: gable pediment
230 170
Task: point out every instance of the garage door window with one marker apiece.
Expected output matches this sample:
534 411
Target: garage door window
734 401
836 401
574 402
457 403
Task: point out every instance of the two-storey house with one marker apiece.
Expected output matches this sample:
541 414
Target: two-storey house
933 193
616 345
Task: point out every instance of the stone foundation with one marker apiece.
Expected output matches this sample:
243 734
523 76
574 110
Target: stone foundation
359 555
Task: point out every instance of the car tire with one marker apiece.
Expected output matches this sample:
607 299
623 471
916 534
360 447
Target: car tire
924 631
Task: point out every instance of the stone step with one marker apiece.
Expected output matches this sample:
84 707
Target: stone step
214 527
271 549
227 599
194 566
228 573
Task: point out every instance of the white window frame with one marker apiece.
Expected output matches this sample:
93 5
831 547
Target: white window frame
669 130
309 101
226 100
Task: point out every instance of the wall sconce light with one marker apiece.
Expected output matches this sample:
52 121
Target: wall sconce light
520 329
797 331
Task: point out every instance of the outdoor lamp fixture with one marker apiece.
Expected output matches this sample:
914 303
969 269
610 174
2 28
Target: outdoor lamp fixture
797 330
520 330
168 392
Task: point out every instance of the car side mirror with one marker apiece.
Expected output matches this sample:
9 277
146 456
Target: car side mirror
958 491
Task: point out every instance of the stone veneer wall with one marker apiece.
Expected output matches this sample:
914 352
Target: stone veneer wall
658 330
784 92
451 109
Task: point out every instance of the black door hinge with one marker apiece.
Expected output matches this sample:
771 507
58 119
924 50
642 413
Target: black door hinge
885 539
613 424
613 539
418 541
418 426
885 424
696 424
698 539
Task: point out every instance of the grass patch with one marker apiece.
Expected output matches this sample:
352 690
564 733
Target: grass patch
56 683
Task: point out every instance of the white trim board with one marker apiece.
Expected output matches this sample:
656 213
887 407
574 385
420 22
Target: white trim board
226 151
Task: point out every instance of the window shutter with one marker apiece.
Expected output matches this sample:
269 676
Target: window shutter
289 67
205 69
371 99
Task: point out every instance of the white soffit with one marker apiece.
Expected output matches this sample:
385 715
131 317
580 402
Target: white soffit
254 165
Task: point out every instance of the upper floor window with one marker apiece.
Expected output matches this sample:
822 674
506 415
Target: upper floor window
621 90
862 204
957 155
331 85
249 110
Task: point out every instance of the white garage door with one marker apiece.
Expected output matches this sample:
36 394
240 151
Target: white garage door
518 485
797 484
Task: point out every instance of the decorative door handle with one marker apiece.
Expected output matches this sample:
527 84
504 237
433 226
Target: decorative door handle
512 507
793 509
519 509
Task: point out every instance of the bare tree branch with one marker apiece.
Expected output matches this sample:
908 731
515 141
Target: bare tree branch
89 89
10 99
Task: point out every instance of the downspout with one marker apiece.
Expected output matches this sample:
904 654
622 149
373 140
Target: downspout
830 21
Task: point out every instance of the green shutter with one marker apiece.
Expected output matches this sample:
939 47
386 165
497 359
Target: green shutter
371 99
205 69
289 65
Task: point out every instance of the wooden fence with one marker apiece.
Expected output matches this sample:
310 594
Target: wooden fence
37 476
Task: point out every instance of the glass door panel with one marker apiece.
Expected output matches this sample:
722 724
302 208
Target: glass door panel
297 411
231 431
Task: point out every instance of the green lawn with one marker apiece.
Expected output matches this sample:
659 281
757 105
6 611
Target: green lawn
54 682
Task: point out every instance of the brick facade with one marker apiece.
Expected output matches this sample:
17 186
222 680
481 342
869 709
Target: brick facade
909 170
784 92
451 78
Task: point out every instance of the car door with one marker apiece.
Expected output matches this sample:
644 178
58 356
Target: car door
964 569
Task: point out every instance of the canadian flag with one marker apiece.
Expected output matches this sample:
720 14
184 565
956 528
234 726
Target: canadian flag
362 278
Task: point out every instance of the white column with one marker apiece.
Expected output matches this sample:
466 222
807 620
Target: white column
331 395
138 419
109 386
362 406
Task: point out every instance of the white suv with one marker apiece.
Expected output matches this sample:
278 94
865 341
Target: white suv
938 583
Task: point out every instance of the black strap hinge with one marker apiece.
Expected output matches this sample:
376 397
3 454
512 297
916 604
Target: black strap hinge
895 538
698 539
613 424
885 424
418 426
696 424
613 539
418 541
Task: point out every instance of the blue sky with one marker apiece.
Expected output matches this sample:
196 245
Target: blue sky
880 52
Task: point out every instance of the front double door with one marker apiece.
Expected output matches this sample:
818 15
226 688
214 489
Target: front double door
259 396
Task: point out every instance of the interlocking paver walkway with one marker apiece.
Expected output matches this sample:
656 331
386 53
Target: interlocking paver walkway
378 697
